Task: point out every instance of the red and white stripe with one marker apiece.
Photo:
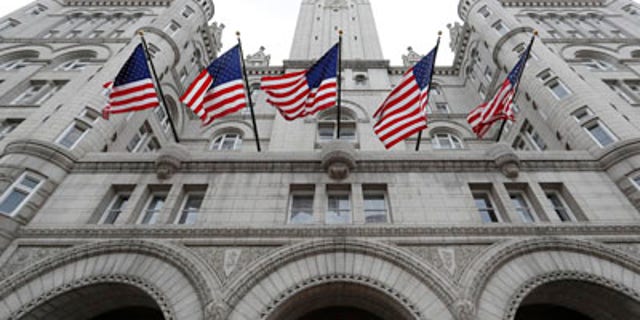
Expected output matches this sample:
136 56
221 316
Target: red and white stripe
291 95
403 113
483 116
133 96
214 103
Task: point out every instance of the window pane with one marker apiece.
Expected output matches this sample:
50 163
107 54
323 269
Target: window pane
522 208
191 208
601 135
29 182
301 209
155 205
339 209
13 201
116 208
375 208
72 136
558 206
326 131
485 208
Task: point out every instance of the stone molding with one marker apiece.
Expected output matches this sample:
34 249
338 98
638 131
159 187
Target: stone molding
555 3
338 159
431 278
478 273
529 286
506 159
621 151
141 284
43 150
165 253
398 297
128 3
172 232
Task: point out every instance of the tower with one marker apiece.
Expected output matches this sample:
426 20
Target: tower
319 22
117 218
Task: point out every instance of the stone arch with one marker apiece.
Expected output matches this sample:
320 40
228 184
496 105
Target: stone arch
493 278
450 127
95 52
256 293
177 280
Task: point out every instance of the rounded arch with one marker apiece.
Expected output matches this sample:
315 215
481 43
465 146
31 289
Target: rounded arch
20 54
349 108
222 126
344 291
163 272
521 261
96 52
376 264
451 127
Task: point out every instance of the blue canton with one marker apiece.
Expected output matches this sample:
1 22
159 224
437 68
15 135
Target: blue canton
514 75
424 69
226 68
325 68
135 69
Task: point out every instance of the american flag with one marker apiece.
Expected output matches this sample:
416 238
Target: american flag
303 93
482 117
133 88
403 113
219 90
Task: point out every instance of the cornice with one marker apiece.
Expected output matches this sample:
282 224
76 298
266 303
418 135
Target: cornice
306 232
119 3
554 3
620 151
43 150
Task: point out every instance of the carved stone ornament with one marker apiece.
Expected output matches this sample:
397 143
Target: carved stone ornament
465 309
338 159
216 310
506 159
169 160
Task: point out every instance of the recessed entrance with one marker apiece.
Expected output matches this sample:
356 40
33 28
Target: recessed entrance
341 301
577 300
340 313
107 301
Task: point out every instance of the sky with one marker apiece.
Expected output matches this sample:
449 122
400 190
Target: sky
271 23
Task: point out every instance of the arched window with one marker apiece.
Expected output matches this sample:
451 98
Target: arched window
227 141
328 126
444 140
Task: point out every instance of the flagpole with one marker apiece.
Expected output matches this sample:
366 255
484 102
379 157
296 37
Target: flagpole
155 76
433 70
339 81
246 83
515 91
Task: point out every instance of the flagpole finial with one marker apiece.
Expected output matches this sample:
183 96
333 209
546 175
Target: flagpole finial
238 34
340 32
141 33
535 33
439 33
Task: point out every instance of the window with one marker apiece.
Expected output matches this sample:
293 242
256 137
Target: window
534 137
338 205
12 65
501 28
8 24
446 141
522 207
152 146
152 211
227 141
162 117
73 34
442 107
485 207
328 127
38 92
187 12
544 75
617 88
72 65
119 33
558 89
582 114
72 135
488 74
7 126
96 34
37 10
89 115
19 193
191 208
597 34
118 204
375 204
481 92
140 138
301 205
598 65
520 144
484 11
559 206
172 28
600 133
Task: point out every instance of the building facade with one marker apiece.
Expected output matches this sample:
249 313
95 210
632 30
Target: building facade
108 219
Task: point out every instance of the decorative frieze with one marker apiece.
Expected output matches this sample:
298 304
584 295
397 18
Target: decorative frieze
25 256
226 262
449 260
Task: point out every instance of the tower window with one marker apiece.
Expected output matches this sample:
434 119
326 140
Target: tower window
227 141
301 204
19 193
118 204
191 208
338 206
485 207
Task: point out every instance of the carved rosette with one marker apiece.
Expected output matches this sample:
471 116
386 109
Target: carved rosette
338 159
465 310
169 160
506 160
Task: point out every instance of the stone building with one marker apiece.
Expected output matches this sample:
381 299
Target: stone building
107 219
